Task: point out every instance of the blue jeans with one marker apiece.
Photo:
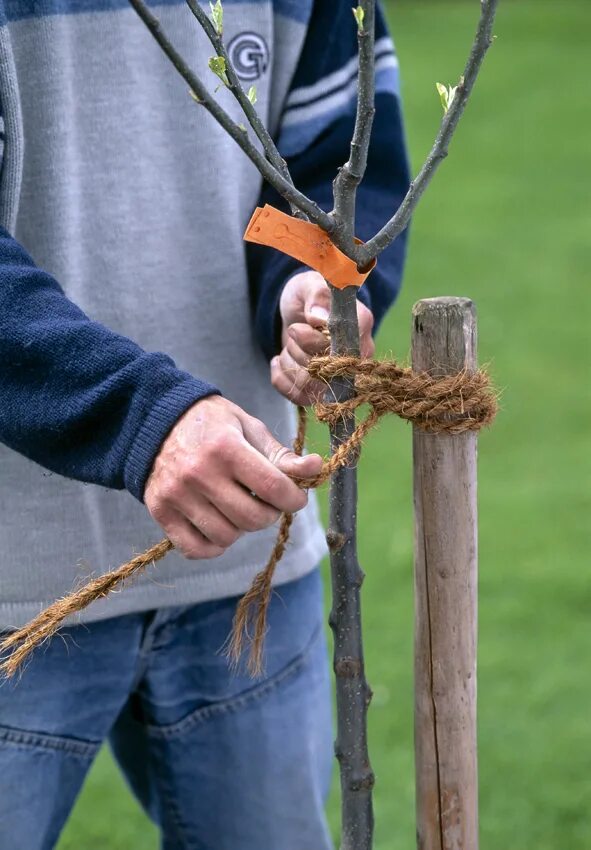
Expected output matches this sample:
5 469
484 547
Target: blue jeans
218 761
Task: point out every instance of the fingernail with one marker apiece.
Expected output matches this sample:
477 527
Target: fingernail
299 461
320 313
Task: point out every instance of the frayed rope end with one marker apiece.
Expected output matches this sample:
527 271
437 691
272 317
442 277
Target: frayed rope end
250 621
22 642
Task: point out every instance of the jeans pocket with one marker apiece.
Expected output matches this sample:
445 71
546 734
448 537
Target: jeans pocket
258 691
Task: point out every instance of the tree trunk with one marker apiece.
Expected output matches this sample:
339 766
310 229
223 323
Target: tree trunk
353 694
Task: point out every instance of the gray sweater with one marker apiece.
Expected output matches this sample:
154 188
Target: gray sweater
131 203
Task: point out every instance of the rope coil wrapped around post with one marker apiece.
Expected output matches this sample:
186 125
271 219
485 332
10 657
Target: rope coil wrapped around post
450 404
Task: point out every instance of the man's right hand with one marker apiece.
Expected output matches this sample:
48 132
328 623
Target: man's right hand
220 473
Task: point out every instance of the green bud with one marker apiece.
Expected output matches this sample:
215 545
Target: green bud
217 16
359 15
252 94
447 94
217 64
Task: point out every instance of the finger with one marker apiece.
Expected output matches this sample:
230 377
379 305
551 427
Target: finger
317 301
270 485
312 390
270 463
298 355
366 345
292 370
284 383
308 466
260 438
366 323
308 339
188 539
212 524
241 508
365 317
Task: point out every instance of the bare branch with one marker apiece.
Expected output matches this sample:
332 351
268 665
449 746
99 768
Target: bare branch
237 90
365 92
352 172
451 119
267 170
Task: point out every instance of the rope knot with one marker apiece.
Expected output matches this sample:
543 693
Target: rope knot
446 403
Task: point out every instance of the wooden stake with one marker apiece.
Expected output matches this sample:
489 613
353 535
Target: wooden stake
444 341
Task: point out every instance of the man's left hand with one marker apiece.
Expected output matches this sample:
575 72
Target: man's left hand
304 309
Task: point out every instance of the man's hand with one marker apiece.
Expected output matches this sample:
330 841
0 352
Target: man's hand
220 473
304 308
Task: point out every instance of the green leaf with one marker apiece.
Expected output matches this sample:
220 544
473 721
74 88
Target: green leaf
252 94
447 94
217 16
359 15
442 95
217 64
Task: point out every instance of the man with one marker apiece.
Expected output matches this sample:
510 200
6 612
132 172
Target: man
132 203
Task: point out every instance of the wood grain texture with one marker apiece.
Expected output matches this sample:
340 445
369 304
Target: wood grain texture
444 342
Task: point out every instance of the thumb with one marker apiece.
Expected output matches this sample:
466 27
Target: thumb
317 301
295 466
279 455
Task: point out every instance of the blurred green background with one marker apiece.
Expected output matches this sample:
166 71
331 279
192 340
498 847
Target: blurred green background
508 223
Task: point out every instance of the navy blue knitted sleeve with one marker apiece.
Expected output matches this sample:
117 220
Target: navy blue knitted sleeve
314 136
74 396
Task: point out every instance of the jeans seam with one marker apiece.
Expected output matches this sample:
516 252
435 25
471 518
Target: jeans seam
43 741
202 715
168 803
176 820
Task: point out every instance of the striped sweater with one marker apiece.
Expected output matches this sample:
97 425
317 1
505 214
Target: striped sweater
126 292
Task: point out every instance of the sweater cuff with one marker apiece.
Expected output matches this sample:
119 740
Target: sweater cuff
156 427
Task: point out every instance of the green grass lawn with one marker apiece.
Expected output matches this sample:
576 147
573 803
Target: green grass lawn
508 223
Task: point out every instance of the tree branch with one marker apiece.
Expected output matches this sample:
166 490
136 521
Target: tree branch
482 41
247 107
352 173
266 169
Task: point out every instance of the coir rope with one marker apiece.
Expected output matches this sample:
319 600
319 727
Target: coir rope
452 404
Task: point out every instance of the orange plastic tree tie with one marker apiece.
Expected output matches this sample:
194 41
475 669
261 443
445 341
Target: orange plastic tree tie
305 242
